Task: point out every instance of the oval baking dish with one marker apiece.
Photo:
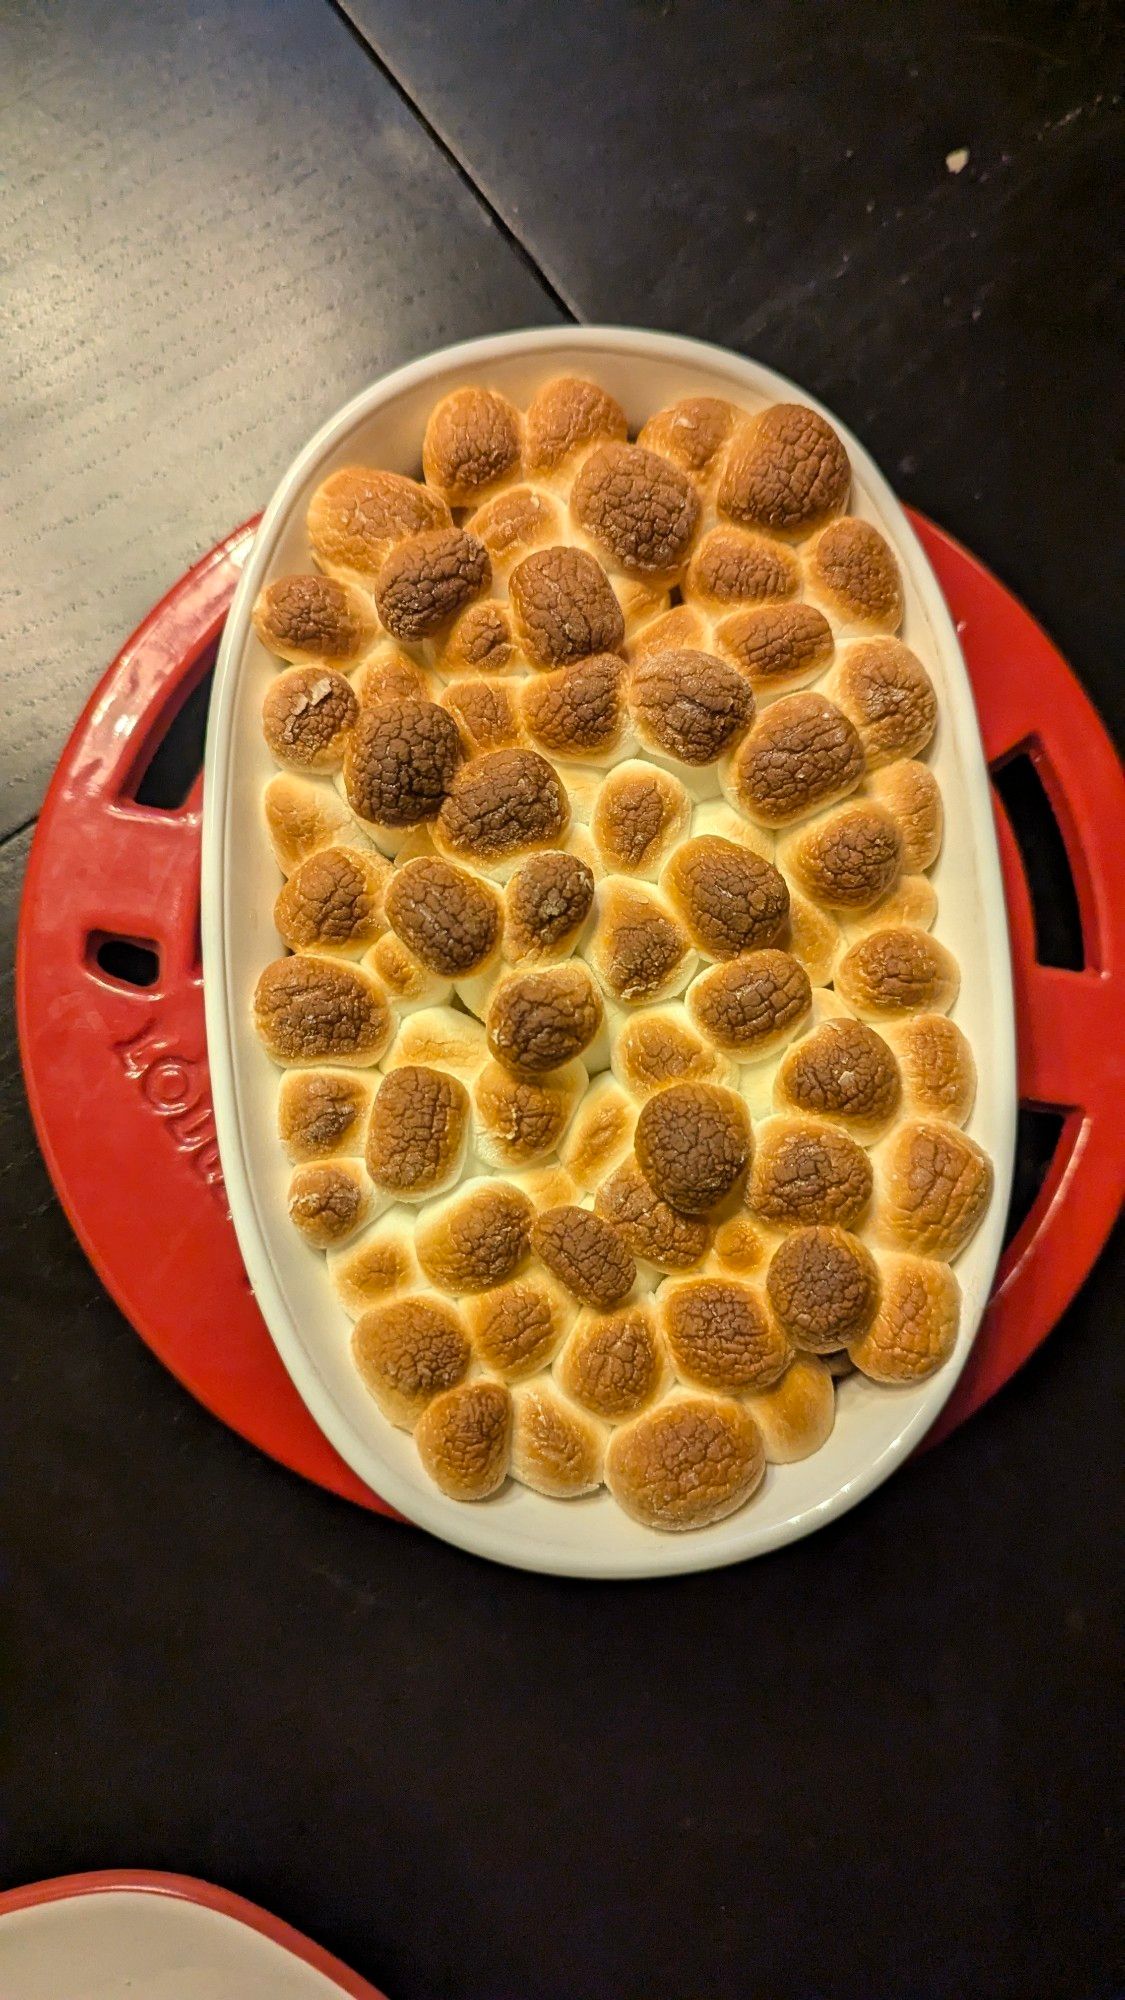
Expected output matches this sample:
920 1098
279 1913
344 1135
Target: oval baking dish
876 1428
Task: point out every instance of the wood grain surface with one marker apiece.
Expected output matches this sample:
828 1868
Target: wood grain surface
874 1766
219 222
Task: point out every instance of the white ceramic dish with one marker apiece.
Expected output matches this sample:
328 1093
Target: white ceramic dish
876 1427
135 1935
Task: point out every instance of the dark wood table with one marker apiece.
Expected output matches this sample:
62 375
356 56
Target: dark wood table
877 1763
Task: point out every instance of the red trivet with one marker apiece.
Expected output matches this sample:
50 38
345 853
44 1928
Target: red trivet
117 1074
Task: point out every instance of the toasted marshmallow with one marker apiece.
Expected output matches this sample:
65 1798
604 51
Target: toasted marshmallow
807 1171
729 900
303 816
686 1464
557 1449
721 1334
475 1238
813 937
613 1363
358 514
400 762
486 711
406 981
500 808
464 1439
786 472
390 674
566 418
639 509
418 1134
520 1120
909 791
797 1415
322 1113
517 1328
844 1071
731 566
801 756
915 1327
638 949
932 1187
656 1046
547 903
897 971
539 1020
333 902
939 1077
823 1288
308 717
513 523
479 641
680 627
309 1009
311 617
408 1351
777 647
911 900
656 1233
694 434
886 692
847 859
640 815
600 1134
379 1264
586 1254
446 916
689 707
563 607
440 1038
577 713
329 1200
753 1006
693 1143
852 574
426 583
473 444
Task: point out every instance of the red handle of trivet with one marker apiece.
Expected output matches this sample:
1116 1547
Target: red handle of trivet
1070 1050
117 1075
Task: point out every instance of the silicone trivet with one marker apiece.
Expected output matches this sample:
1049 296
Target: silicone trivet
117 1074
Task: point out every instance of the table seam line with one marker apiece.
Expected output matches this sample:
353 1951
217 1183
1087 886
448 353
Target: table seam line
454 160
15 831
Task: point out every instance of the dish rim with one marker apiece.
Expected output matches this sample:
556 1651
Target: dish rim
474 1528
